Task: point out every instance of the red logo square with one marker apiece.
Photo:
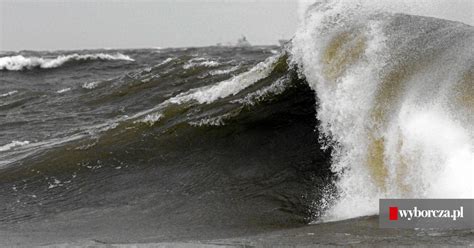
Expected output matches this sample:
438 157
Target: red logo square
393 213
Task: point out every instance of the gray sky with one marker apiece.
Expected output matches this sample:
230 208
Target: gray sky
66 24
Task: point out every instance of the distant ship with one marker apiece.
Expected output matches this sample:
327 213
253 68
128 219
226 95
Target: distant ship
243 42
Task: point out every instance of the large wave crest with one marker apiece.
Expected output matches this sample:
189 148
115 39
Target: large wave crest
395 95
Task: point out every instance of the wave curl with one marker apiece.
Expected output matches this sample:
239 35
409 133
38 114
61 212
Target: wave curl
395 103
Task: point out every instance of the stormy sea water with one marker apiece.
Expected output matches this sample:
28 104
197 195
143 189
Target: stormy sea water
215 143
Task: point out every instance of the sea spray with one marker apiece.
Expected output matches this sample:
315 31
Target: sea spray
388 90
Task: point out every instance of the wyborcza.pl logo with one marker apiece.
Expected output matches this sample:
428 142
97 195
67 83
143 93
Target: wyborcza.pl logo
410 214
427 213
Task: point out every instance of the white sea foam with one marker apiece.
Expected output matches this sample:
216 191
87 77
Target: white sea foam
275 88
390 103
19 62
90 85
164 62
54 183
151 119
209 121
10 93
224 71
63 90
200 62
229 87
12 145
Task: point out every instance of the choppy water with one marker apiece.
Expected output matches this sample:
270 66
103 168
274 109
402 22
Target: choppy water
217 142
178 143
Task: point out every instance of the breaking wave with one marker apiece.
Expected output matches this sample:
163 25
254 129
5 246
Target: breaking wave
231 132
20 62
229 87
13 144
395 102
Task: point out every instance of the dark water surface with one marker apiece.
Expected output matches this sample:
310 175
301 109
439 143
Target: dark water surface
92 150
223 145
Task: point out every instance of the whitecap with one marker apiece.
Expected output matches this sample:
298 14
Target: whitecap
10 93
13 144
63 90
228 87
20 62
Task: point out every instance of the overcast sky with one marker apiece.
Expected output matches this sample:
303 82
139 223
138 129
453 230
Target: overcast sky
76 24
63 24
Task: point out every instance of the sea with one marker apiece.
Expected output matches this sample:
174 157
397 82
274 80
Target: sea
142 146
